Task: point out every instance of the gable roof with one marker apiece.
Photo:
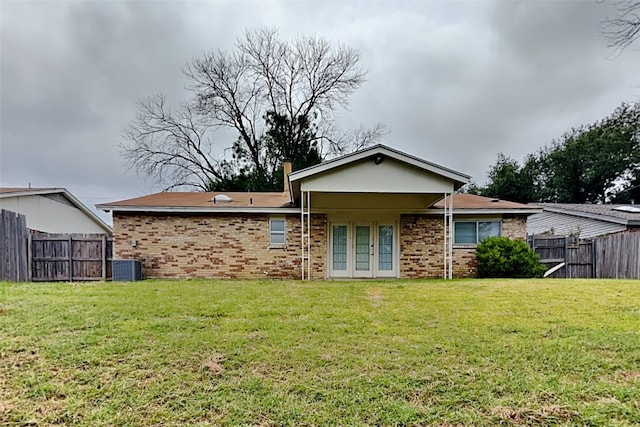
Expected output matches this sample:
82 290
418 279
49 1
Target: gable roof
602 212
385 151
464 203
201 202
7 192
377 151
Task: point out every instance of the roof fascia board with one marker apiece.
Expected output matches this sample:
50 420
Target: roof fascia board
174 209
380 149
33 192
463 211
432 211
169 209
590 215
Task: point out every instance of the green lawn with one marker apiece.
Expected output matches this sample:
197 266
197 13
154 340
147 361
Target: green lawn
471 352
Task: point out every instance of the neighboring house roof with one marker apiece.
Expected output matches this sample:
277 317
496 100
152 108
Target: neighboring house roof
583 220
18 191
473 204
200 202
10 192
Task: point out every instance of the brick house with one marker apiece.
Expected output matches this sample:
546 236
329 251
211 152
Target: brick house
375 213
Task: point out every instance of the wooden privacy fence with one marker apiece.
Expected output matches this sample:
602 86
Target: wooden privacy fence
70 257
33 256
613 256
618 256
14 243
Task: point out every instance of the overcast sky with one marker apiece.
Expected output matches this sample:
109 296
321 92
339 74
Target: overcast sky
455 82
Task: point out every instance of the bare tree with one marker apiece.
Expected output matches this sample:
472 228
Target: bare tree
172 147
624 29
304 80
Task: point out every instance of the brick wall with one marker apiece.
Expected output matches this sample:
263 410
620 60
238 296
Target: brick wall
237 246
421 246
514 226
465 263
220 246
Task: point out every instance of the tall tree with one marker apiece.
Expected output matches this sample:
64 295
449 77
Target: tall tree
591 164
239 174
279 97
505 181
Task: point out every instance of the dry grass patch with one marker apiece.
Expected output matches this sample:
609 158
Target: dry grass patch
214 364
543 416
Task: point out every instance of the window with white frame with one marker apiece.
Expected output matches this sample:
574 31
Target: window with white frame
277 232
473 232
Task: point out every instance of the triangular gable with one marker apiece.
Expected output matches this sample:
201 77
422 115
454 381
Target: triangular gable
60 195
379 169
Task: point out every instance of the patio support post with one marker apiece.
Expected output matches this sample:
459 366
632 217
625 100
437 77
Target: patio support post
448 236
305 229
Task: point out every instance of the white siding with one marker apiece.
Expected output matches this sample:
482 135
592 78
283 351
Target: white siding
45 214
390 176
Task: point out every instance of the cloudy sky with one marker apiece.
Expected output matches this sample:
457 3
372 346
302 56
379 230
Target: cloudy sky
455 82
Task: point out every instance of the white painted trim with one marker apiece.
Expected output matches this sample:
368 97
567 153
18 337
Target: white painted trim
374 272
476 221
177 209
431 211
284 232
383 150
427 211
331 273
34 192
363 274
461 211
394 250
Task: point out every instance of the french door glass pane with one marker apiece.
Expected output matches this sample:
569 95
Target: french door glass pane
385 247
362 247
339 247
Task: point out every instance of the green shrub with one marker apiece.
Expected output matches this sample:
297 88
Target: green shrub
503 257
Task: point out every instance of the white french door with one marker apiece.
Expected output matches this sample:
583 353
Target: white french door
386 251
364 250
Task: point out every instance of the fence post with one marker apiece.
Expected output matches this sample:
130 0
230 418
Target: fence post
593 258
16 246
566 257
70 259
104 257
29 257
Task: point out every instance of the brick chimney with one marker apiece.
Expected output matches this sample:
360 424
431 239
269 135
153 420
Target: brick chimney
287 170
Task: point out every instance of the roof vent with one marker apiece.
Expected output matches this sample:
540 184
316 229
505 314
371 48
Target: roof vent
221 198
495 200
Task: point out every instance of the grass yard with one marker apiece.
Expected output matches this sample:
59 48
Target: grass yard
468 352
